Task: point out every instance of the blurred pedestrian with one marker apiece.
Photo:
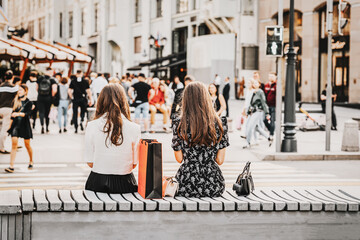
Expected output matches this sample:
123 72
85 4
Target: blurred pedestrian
47 89
33 96
64 102
226 94
141 102
217 100
8 92
97 85
217 81
323 106
111 142
270 93
256 76
20 126
80 93
176 105
176 84
157 103
242 87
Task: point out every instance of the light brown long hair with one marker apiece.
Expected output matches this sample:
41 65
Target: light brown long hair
17 101
198 117
112 102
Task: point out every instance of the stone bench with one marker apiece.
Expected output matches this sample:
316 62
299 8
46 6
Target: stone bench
78 214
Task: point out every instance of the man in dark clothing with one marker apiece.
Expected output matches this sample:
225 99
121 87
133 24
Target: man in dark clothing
176 106
226 94
270 93
47 89
8 92
323 106
79 92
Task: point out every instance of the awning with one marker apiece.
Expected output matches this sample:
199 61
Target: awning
176 63
171 57
134 68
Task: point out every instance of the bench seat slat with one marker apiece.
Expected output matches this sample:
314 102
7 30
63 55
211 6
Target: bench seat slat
163 205
68 202
202 205
228 205
95 203
110 205
215 205
302 205
351 206
53 198
240 205
136 204
27 200
82 204
150 205
41 202
279 205
339 205
124 205
10 202
266 205
327 206
315 204
354 194
290 204
345 196
175 205
188 204
253 205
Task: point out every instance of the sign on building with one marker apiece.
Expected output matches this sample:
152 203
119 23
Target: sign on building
274 40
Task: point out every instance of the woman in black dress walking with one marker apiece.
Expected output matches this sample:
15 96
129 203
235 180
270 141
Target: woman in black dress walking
20 127
199 141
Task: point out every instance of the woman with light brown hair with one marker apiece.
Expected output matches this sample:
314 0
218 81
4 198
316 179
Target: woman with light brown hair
20 126
199 141
111 141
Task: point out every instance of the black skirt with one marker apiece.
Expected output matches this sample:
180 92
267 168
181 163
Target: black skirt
109 183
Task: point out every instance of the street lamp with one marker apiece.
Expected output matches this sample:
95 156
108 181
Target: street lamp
158 45
289 143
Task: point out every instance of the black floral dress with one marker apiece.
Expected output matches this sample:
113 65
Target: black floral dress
199 175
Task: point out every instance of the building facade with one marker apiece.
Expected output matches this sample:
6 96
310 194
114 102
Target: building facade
311 47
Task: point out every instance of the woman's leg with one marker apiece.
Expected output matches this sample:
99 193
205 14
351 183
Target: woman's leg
259 117
14 141
29 150
60 113
250 127
65 108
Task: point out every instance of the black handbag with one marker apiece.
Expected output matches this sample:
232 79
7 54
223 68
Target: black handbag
244 185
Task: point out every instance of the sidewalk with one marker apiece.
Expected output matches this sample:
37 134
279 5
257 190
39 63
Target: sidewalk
311 145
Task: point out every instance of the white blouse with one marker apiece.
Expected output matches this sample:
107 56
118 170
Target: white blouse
111 159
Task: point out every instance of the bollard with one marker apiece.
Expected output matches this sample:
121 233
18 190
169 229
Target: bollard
350 141
91 113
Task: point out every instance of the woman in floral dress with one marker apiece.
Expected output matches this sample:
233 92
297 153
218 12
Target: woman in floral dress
199 141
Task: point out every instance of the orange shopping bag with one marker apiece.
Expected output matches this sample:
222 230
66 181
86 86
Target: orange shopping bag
150 169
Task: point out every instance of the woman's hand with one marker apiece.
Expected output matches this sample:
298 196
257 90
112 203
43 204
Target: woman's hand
15 114
90 164
268 117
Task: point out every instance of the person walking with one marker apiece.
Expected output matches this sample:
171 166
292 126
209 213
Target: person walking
20 127
80 93
270 93
157 103
33 96
176 84
323 107
199 142
97 85
8 93
217 100
111 143
141 102
176 105
64 102
257 110
217 81
241 93
47 89
226 94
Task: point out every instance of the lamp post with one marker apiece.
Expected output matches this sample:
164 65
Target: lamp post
158 45
289 143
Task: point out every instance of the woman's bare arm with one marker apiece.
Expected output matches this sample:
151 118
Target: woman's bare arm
222 105
220 157
178 156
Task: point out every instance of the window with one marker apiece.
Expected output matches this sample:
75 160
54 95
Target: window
158 8
247 7
96 17
194 5
250 58
182 6
31 29
137 11
60 25
42 28
137 44
83 21
70 24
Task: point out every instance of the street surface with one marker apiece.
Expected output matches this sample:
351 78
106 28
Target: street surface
58 160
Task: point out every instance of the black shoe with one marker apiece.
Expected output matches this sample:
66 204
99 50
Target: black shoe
47 129
334 128
59 130
9 170
42 130
31 165
271 140
81 127
4 152
65 130
76 131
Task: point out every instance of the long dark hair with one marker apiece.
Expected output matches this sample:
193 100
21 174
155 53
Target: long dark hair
198 117
112 102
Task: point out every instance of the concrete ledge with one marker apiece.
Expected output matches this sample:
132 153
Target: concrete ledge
307 156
